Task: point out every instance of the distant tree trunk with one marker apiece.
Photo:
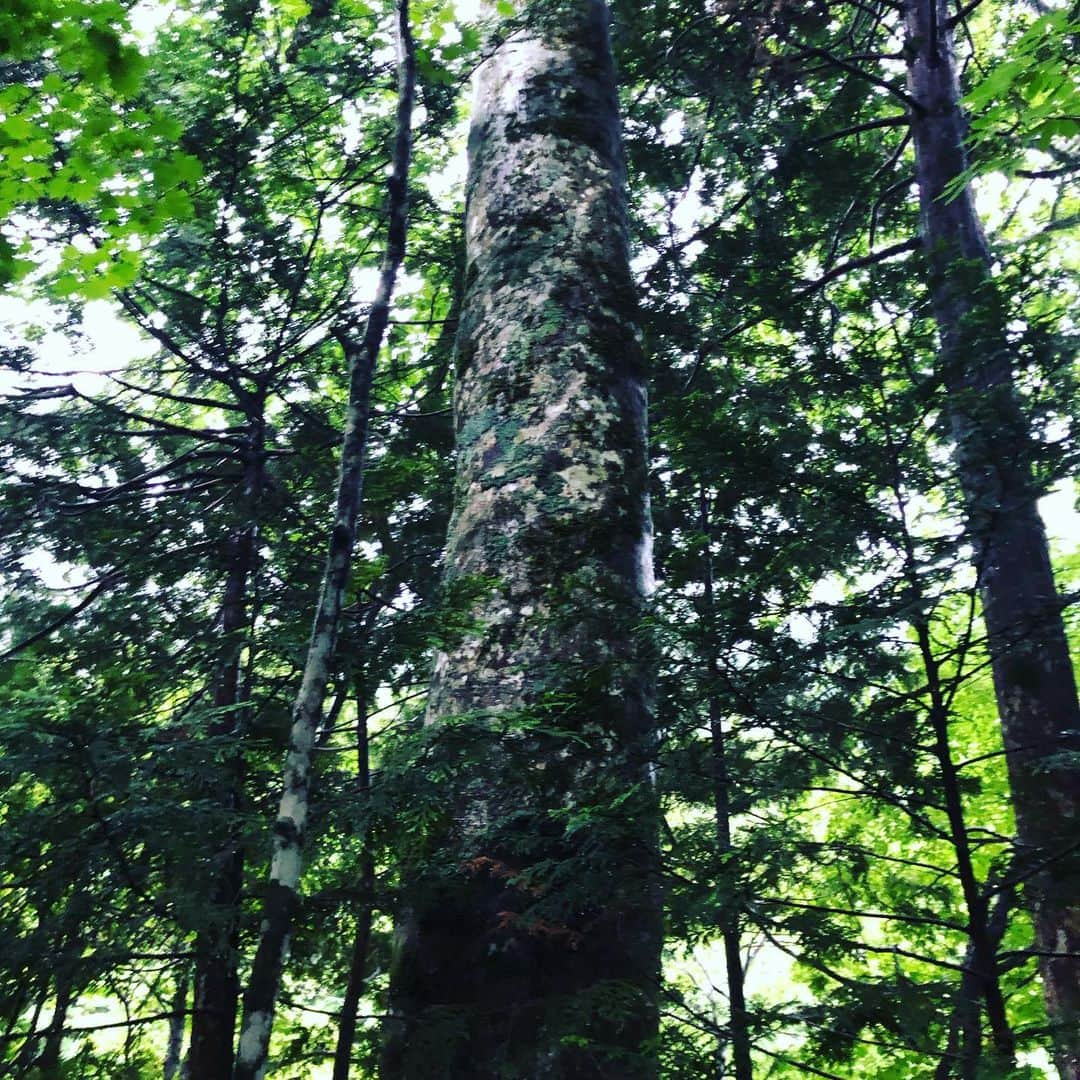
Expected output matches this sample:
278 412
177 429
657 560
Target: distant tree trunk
981 980
1033 676
217 986
728 920
174 1048
354 987
529 943
955 1060
48 1062
283 891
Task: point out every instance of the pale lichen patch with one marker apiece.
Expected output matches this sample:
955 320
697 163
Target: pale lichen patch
254 1037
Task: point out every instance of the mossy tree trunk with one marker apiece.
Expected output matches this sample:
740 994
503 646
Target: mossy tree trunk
530 942
1033 676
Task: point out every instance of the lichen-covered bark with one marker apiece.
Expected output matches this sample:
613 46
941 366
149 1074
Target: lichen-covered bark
1033 676
535 952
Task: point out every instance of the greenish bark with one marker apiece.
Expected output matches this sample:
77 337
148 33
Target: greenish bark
530 942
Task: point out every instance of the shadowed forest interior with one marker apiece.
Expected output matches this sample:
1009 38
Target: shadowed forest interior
539 539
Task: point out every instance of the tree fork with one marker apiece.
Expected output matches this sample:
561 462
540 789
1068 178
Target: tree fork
528 946
1033 676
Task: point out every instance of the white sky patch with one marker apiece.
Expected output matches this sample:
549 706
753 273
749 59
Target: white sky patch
53 574
997 198
148 17
671 130
1061 516
365 280
687 214
469 10
450 179
107 343
352 128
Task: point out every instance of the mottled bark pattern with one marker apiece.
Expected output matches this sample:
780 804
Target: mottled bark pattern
1033 677
513 960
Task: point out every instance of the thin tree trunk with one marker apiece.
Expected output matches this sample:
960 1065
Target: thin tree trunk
25 1057
48 1062
529 941
984 981
174 1049
728 917
354 988
282 894
968 991
217 986
1033 675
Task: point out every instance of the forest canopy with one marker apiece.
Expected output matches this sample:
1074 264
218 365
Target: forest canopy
539 539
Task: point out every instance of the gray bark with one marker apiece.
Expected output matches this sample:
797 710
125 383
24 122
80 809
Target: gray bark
282 894
534 950
1033 676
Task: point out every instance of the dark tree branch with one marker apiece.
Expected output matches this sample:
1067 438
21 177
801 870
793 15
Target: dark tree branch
901 120
103 585
858 264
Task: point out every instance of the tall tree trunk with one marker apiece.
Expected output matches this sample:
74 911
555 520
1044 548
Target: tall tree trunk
354 987
217 986
282 895
728 914
532 948
1033 676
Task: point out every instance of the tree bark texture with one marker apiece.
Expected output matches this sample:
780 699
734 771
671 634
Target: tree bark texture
282 894
529 944
1033 676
